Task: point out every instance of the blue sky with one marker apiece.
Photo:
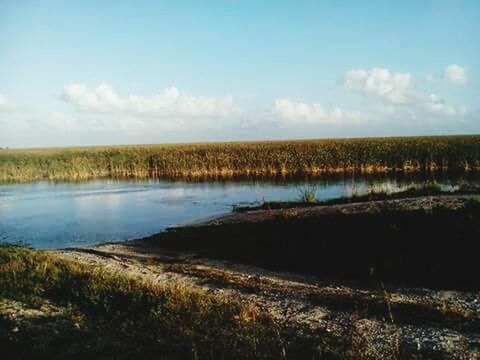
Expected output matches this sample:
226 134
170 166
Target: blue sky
117 72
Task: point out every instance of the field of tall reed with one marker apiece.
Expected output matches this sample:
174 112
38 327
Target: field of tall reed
272 158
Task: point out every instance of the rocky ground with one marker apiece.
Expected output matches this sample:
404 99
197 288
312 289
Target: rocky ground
387 320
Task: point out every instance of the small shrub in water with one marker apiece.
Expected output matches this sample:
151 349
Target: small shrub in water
308 193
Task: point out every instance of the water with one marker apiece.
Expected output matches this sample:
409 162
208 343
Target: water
57 215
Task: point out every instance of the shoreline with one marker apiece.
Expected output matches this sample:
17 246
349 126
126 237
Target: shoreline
299 314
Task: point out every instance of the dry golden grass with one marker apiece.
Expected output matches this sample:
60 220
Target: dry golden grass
269 158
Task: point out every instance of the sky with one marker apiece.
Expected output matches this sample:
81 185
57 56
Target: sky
140 72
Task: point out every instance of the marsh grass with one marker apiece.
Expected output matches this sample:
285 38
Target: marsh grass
257 159
307 193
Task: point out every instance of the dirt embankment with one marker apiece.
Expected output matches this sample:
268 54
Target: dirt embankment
229 255
423 241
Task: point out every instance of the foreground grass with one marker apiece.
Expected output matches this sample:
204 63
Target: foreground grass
127 317
244 159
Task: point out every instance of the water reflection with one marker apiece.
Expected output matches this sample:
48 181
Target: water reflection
52 215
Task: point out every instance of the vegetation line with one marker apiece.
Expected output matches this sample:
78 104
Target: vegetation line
282 158
307 195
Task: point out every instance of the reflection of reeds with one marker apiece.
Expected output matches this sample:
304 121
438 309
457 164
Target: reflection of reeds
426 188
368 155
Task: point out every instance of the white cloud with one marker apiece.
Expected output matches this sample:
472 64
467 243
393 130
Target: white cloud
398 94
435 105
391 87
394 106
170 103
455 74
293 112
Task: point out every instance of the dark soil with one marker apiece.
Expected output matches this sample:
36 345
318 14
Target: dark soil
428 241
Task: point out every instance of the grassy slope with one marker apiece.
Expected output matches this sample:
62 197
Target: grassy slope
243 159
131 317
